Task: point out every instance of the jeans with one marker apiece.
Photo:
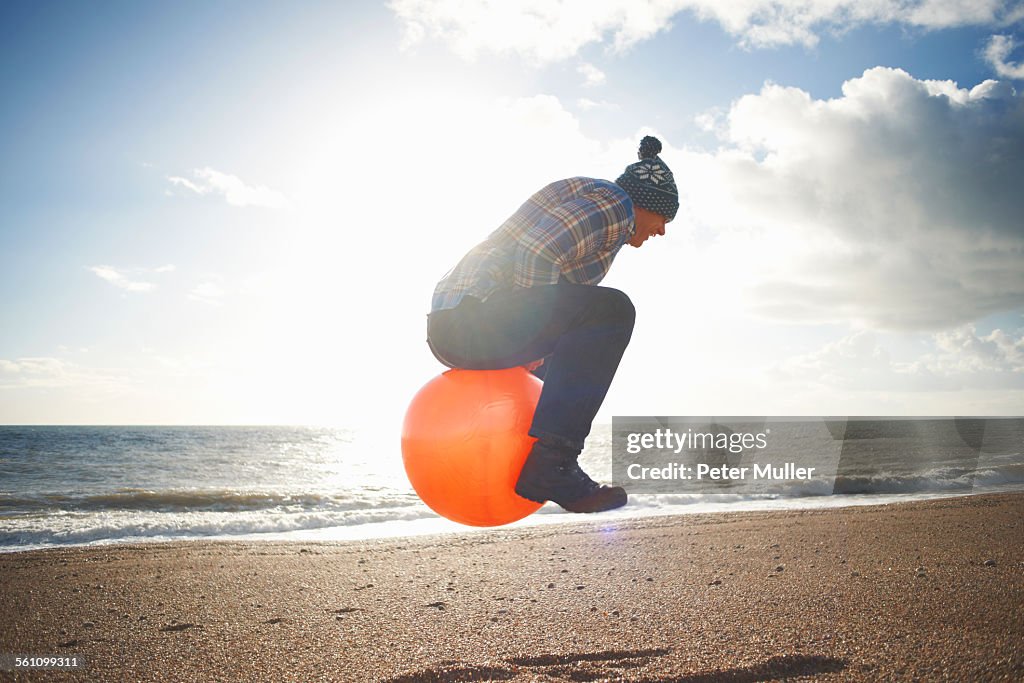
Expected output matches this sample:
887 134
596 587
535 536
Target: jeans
580 330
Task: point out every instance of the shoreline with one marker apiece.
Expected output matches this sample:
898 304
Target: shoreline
920 589
408 528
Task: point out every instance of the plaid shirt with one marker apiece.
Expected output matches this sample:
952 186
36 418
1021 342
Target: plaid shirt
572 230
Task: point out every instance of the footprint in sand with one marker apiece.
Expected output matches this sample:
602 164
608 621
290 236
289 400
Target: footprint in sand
602 665
179 627
344 610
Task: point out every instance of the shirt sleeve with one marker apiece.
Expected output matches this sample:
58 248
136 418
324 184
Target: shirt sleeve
568 232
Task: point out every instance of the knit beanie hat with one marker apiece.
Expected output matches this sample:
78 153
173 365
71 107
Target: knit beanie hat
649 182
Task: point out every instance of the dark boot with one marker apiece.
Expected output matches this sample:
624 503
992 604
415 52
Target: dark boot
553 474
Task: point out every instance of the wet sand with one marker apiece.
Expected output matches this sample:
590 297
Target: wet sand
918 591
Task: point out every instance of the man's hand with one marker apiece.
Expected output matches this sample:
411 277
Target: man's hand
531 366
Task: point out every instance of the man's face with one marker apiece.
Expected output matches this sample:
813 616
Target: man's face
648 223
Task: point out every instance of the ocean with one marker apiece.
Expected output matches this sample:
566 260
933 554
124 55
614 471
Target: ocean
74 486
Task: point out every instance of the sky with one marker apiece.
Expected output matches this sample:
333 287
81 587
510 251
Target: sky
236 212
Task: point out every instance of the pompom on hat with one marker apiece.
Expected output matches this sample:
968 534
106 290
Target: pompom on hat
649 182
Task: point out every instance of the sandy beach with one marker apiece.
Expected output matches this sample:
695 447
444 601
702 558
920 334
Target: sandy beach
918 591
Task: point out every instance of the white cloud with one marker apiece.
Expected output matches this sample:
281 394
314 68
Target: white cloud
896 205
187 184
1013 15
587 104
120 280
232 188
208 293
963 350
33 372
958 359
853 362
998 51
707 122
592 76
55 373
948 13
545 31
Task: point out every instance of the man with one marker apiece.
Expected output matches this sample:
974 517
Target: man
528 295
